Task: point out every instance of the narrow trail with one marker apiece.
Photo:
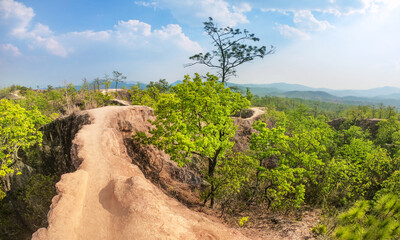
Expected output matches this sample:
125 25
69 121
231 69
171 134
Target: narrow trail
109 198
258 111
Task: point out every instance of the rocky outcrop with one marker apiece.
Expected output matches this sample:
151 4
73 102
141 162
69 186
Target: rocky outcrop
245 128
112 190
59 152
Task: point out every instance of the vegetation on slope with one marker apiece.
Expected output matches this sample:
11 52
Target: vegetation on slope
296 158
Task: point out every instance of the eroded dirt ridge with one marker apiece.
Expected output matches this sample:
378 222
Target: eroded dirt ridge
108 197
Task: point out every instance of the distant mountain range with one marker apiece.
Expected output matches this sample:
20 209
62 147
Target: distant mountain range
374 96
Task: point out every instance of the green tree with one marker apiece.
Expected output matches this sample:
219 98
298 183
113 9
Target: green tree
230 50
162 85
388 134
118 78
281 185
106 81
249 95
18 130
358 170
232 173
195 120
301 149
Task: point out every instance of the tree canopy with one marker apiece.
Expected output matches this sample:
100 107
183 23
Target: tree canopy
18 130
195 121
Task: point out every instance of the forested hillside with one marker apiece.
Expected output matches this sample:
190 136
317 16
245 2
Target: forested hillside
301 155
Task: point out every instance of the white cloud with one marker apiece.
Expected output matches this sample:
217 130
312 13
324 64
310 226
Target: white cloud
344 8
10 48
375 6
134 33
132 28
291 32
127 34
367 6
146 4
174 32
19 17
221 11
16 15
91 35
244 7
304 19
51 44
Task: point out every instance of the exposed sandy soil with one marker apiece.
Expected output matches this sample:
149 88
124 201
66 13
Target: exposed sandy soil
112 195
109 198
275 226
257 112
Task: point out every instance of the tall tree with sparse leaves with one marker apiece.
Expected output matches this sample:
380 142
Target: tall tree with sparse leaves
230 50
118 78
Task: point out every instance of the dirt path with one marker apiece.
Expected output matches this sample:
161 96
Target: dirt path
109 198
258 111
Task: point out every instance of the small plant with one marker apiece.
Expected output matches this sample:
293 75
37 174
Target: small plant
319 230
244 221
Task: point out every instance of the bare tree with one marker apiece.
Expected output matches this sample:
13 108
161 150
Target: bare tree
97 83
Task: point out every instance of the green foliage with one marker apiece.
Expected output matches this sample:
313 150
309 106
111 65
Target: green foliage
162 85
118 78
106 81
314 108
18 130
249 95
25 211
150 95
371 220
232 173
285 189
195 120
283 186
391 184
358 113
37 197
10 226
388 135
328 167
267 142
62 101
243 221
347 135
319 230
358 171
4 92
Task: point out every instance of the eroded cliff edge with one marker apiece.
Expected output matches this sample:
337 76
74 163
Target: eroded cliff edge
110 197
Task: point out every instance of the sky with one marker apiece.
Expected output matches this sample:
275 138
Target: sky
337 44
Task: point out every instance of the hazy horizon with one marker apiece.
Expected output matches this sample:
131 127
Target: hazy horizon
331 44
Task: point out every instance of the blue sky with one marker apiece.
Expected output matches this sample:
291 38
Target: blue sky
339 44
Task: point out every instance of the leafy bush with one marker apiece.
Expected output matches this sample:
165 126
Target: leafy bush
18 130
371 220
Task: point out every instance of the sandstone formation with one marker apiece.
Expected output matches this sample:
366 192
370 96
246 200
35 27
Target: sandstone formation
114 188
